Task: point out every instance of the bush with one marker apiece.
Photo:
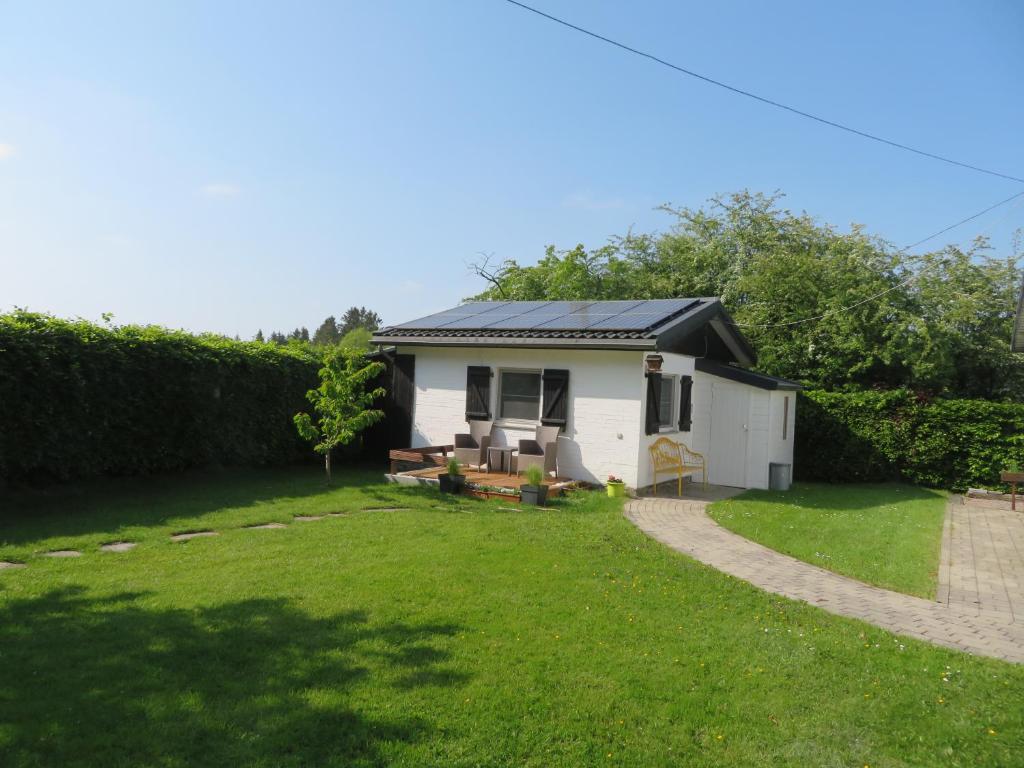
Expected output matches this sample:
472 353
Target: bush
879 436
81 400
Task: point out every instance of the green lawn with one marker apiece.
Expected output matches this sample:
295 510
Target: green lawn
451 633
887 535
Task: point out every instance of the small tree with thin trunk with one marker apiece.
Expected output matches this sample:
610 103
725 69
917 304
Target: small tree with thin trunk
342 403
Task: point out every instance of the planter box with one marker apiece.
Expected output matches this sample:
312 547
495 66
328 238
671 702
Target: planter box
450 484
534 494
478 493
616 490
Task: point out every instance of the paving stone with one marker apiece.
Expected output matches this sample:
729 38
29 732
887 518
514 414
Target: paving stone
385 509
265 526
192 535
63 553
8 564
308 518
118 546
976 618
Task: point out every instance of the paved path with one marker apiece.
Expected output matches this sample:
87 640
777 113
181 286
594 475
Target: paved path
683 525
982 565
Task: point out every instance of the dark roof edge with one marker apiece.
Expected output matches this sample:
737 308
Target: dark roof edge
514 341
1017 342
754 379
676 331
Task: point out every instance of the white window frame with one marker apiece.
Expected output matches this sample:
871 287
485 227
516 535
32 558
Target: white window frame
504 420
673 404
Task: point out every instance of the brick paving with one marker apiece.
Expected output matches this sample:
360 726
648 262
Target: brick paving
979 629
982 564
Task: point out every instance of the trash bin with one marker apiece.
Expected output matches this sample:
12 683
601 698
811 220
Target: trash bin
780 476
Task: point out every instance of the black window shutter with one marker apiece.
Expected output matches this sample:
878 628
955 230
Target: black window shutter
685 403
555 407
478 392
653 396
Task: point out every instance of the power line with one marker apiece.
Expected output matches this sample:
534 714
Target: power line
762 99
899 285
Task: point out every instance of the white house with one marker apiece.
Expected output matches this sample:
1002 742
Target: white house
585 367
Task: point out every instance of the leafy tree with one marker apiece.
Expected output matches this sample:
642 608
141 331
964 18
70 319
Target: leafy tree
259 336
358 317
869 315
357 338
327 333
342 403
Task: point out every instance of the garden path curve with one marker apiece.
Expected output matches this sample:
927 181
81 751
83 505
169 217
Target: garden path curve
684 525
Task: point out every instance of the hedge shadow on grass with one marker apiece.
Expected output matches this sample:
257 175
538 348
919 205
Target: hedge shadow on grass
111 681
100 506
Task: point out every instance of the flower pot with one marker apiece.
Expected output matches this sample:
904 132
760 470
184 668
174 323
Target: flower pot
534 494
451 483
616 490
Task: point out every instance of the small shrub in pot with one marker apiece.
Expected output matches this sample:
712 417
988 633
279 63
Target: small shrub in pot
534 491
454 480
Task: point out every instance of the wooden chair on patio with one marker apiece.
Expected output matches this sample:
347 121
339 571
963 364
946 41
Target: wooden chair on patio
671 458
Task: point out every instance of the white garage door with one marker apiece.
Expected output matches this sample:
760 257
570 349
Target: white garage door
730 410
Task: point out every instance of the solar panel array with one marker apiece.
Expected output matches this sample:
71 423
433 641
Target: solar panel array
554 315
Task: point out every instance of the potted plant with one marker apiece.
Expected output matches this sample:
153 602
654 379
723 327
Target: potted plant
453 481
534 491
616 488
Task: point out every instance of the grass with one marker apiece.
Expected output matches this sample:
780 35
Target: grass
451 633
887 535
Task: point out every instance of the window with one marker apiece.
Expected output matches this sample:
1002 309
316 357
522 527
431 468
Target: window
785 417
519 395
665 401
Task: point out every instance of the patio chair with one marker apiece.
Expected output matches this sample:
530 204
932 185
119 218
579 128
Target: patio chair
542 451
471 449
671 458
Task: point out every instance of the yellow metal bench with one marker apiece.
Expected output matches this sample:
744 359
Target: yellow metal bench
671 458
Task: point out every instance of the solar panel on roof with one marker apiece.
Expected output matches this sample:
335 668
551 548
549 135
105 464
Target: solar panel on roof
631 322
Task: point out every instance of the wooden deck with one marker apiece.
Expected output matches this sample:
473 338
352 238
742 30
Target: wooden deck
475 477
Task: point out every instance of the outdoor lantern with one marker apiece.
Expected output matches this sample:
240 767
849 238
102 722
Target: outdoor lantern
654 363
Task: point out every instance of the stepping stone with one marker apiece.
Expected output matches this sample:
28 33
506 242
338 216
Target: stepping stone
118 546
9 564
308 518
63 553
385 509
192 535
337 514
265 526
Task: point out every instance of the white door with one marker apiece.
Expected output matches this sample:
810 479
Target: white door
730 410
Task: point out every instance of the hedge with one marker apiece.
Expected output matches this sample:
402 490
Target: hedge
82 400
880 436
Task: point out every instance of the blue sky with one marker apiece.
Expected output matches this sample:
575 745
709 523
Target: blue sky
235 166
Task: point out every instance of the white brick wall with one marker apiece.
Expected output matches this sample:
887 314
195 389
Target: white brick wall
605 389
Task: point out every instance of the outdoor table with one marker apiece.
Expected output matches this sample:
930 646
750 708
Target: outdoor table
504 454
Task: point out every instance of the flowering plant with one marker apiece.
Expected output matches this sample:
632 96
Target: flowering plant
614 479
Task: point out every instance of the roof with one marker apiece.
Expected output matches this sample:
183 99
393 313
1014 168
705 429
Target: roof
654 324
1017 342
754 379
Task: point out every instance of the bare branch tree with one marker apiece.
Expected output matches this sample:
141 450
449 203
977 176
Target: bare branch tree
490 271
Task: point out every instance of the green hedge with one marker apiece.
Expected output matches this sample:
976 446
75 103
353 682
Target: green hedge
878 436
81 400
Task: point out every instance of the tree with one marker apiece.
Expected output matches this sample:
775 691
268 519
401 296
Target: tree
358 317
357 338
838 310
259 336
342 403
327 333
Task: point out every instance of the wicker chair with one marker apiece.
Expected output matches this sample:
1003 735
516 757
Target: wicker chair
471 449
672 458
542 451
